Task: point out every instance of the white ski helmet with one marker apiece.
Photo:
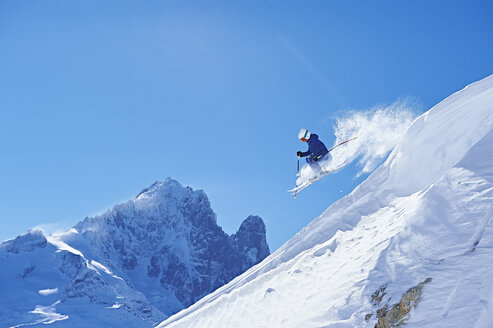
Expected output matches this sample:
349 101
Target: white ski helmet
304 135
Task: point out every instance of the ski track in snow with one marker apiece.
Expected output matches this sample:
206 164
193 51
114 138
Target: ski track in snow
425 213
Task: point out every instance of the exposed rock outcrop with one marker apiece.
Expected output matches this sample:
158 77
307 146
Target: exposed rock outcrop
398 313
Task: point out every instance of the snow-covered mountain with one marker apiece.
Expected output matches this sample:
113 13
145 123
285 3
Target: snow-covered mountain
412 244
129 267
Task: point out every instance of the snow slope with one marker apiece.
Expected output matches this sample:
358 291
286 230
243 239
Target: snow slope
424 216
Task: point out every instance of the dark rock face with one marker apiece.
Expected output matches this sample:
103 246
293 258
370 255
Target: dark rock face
168 238
250 242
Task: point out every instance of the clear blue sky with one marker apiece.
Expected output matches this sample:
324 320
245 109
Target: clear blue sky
99 99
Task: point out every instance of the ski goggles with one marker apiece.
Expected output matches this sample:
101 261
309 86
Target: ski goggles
304 139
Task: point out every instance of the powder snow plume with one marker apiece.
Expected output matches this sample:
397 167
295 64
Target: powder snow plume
378 131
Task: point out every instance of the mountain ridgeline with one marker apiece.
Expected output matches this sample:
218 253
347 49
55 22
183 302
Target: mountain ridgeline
137 263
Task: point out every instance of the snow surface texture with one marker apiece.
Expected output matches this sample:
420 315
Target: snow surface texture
378 131
425 213
133 266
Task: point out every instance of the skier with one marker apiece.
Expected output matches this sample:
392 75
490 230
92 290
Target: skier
317 152
316 148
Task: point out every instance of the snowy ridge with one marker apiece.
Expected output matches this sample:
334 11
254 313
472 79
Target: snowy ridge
423 218
134 265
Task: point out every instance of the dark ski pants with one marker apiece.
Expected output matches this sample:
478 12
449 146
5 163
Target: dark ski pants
315 164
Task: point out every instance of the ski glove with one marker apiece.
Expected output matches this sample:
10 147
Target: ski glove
299 153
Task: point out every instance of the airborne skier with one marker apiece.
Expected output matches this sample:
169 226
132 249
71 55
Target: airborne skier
315 155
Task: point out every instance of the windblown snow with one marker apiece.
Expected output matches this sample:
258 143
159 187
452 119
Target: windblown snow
378 129
417 233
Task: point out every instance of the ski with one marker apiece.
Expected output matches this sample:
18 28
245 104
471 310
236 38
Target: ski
299 188
306 184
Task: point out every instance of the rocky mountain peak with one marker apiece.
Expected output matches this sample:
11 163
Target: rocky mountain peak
250 240
252 224
163 189
167 242
133 265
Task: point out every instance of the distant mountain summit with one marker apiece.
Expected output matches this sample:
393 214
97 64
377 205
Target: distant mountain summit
136 264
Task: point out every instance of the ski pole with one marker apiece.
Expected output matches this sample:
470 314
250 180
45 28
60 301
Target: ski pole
342 143
297 174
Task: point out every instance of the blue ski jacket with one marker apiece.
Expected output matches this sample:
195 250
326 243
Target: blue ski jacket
315 147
